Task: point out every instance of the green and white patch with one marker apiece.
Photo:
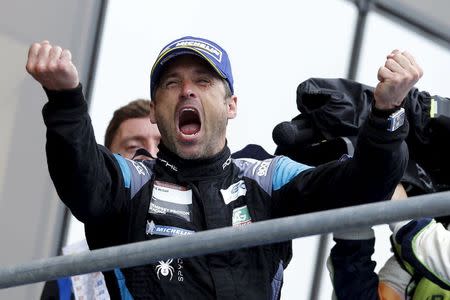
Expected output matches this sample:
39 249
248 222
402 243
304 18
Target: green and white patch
241 216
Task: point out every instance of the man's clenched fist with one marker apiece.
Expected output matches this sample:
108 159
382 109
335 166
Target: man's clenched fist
397 77
52 66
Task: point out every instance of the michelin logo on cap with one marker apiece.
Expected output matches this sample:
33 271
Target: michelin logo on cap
198 45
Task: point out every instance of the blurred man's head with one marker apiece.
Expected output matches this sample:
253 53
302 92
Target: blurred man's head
192 97
130 129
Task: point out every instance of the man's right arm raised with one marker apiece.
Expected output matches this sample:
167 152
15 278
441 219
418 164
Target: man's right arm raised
87 177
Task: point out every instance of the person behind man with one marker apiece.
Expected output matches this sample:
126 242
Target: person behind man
419 268
130 129
194 184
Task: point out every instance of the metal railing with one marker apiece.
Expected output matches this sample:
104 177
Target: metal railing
223 239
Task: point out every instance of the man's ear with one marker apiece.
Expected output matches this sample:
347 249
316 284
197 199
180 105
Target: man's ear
232 107
152 112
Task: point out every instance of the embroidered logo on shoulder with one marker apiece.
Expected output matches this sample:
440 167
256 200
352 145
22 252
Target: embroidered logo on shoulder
234 191
257 167
263 167
241 216
140 167
154 229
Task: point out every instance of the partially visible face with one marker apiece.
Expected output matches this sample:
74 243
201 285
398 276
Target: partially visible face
191 108
133 134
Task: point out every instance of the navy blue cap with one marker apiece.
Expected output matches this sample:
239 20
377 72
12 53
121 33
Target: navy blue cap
215 55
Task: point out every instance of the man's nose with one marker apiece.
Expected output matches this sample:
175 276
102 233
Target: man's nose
187 91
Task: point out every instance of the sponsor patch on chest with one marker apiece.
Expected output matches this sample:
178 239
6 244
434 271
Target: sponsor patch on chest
155 229
170 199
234 191
241 216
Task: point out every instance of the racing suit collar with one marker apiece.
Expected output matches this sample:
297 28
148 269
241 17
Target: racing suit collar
194 168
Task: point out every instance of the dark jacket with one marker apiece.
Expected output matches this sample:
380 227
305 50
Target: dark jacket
129 199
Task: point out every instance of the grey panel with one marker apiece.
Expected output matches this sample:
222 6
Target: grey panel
30 212
426 17
437 10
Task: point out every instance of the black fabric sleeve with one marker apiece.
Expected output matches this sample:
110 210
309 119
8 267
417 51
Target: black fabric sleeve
371 175
86 175
353 273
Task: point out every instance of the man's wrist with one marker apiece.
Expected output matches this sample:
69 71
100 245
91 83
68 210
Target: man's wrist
386 106
388 119
66 98
390 106
385 112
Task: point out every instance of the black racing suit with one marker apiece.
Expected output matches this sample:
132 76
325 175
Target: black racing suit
122 201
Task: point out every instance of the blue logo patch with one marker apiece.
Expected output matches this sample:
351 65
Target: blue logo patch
154 229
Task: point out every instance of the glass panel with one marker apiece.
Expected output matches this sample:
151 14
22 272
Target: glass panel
383 35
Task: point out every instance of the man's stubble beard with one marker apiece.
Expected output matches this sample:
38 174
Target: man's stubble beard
206 150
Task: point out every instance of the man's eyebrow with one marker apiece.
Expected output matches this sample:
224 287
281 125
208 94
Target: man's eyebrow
203 70
169 74
165 77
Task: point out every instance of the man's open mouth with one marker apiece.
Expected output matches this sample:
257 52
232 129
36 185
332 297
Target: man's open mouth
189 121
